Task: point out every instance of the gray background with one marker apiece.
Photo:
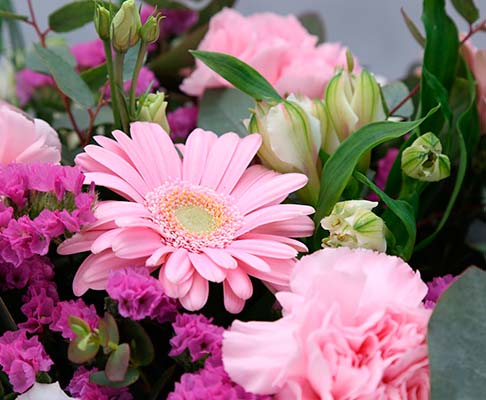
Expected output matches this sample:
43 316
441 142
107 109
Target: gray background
372 29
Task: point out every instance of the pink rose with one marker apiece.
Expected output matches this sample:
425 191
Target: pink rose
26 140
277 46
476 60
353 327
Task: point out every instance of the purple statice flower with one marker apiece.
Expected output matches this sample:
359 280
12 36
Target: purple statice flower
27 81
182 121
22 358
175 22
77 308
210 383
33 271
139 295
383 170
89 54
196 334
437 286
146 80
81 388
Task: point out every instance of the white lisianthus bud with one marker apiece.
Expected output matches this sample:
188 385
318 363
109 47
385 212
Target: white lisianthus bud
102 22
353 101
424 160
125 27
329 139
291 141
152 109
352 224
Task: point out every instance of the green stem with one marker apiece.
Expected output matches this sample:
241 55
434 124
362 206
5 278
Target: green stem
138 66
7 322
122 107
111 78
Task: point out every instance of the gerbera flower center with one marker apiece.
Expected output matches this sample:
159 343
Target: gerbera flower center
193 216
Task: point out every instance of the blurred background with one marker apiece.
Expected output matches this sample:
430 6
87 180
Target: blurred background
373 29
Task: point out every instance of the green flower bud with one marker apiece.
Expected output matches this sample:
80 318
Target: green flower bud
424 160
152 109
150 30
125 27
102 22
352 224
329 139
291 140
353 101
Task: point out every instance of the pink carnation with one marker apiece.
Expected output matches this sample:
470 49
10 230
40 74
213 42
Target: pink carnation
22 358
277 46
65 309
89 54
205 217
28 81
353 327
26 140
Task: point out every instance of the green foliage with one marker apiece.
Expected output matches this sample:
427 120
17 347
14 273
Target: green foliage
95 77
393 93
314 24
10 15
412 28
467 9
100 378
223 110
141 348
34 61
457 354
239 74
117 364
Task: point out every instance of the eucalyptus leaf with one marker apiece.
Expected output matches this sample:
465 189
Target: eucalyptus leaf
117 364
223 110
81 116
141 347
100 378
393 94
467 9
339 168
130 62
34 61
457 354
239 74
67 79
82 349
95 77
314 24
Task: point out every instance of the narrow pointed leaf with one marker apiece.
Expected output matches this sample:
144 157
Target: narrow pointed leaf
13 16
412 28
467 9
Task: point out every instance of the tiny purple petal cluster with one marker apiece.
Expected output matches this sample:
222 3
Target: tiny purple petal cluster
22 358
383 170
175 22
39 303
182 121
196 333
210 383
34 270
139 295
78 308
437 286
81 388
40 203
27 81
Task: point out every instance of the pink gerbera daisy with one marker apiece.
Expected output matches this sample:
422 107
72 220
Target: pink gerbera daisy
204 217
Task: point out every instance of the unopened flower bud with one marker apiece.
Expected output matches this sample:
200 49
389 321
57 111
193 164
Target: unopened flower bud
150 31
291 141
352 224
125 27
329 139
424 160
102 22
353 101
152 109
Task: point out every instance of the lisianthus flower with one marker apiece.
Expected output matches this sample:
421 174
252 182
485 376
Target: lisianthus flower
205 217
45 391
26 140
353 327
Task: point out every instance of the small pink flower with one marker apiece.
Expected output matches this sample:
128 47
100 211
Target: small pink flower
353 327
89 54
277 46
24 140
28 81
204 218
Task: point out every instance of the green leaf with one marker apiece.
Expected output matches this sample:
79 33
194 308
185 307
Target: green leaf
117 364
75 14
440 58
440 94
405 238
82 118
34 61
239 74
95 77
457 354
110 328
141 347
412 28
13 16
314 24
82 349
467 9
130 61
223 110
69 82
340 166
100 378
393 94
79 326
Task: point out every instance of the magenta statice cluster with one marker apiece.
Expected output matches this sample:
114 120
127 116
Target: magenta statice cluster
437 286
139 295
80 387
22 358
78 308
182 121
40 202
33 270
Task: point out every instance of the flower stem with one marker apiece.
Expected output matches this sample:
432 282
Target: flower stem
111 79
7 322
122 107
138 66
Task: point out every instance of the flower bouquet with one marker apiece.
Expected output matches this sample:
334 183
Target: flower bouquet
204 205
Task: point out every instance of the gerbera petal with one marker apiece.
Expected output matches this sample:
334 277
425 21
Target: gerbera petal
197 296
240 283
175 290
135 242
114 183
195 155
279 274
253 175
207 268
104 240
158 256
300 226
297 245
232 302
114 147
256 262
264 248
79 243
178 266
221 257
